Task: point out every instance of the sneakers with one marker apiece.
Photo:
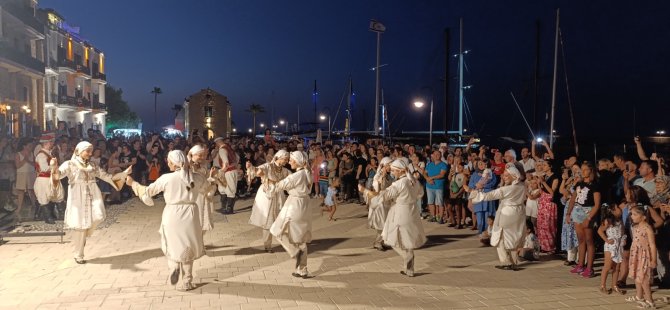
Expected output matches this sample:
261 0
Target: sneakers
577 269
588 273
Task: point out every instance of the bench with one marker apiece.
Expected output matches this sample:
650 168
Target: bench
33 234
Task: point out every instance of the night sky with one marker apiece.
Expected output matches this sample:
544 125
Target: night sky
270 53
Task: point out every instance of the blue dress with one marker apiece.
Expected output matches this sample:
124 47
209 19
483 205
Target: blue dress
485 208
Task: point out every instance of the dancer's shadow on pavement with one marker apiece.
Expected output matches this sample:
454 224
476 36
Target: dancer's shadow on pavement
128 261
437 240
314 246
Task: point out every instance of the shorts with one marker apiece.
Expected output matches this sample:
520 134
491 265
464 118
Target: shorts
24 181
435 196
323 187
580 213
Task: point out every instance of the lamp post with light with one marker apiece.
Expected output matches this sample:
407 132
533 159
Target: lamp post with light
420 104
323 118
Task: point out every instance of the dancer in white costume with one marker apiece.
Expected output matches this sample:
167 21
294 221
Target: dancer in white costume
181 232
85 206
509 225
402 228
267 204
378 207
196 159
293 226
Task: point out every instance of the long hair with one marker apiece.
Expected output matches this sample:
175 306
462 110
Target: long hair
644 210
608 214
639 195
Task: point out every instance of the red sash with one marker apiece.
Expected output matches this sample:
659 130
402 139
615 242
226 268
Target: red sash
37 166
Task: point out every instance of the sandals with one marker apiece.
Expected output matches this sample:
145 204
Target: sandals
646 304
633 299
605 291
616 289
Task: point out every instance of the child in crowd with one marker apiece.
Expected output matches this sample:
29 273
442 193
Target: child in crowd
612 232
534 192
531 247
485 237
330 202
642 256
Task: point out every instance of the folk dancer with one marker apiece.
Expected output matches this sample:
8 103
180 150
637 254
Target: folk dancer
378 207
227 161
267 204
293 226
48 189
181 231
85 208
509 225
402 229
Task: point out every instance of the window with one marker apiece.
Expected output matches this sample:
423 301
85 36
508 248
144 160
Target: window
209 111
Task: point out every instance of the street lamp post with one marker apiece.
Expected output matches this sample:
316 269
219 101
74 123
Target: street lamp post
282 122
323 117
420 104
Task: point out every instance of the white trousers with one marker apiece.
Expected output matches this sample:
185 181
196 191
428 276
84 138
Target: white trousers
408 259
297 251
79 240
186 270
267 239
507 257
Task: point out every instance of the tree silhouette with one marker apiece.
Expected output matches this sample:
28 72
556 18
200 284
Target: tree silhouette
255 109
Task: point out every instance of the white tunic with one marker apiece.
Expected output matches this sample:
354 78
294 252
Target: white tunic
378 207
85 206
267 204
403 228
46 190
295 218
181 232
510 221
205 202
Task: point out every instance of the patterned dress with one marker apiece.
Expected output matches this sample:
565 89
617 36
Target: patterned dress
569 239
640 255
615 232
546 222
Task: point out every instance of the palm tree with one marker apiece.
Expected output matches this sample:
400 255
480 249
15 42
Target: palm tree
254 109
156 91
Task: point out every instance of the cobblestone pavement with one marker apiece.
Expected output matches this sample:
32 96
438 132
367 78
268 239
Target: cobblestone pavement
126 270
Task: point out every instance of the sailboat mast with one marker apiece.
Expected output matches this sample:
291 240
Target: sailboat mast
460 81
553 87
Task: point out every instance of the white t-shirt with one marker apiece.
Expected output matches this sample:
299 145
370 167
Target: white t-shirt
528 164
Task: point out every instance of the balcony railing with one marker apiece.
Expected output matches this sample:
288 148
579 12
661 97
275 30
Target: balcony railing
99 76
11 53
25 15
97 105
75 101
66 63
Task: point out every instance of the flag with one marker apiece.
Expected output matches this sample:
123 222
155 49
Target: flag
377 26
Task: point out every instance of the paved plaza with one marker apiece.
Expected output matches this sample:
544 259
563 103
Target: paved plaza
126 270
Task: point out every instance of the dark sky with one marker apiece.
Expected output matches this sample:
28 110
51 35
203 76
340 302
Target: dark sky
270 52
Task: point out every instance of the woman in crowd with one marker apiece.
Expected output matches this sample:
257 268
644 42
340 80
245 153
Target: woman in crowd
85 206
24 162
583 209
402 229
293 226
181 231
509 225
546 209
484 207
267 204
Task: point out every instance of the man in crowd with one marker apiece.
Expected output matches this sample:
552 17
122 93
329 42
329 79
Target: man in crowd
434 174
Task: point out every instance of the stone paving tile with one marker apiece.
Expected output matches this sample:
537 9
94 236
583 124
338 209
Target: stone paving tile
126 270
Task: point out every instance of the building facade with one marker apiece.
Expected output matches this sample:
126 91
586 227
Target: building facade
208 112
75 77
22 41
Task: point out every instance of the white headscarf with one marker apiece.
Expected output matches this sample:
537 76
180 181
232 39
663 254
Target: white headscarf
382 163
178 159
194 150
401 164
514 172
302 161
80 147
280 154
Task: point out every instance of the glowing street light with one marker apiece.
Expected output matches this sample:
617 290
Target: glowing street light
250 130
234 129
262 125
660 132
419 104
